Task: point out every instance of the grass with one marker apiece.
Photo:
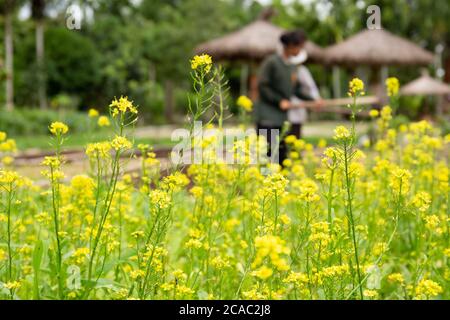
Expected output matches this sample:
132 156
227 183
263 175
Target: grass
80 140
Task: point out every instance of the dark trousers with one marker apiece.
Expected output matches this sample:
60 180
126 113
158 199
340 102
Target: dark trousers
296 130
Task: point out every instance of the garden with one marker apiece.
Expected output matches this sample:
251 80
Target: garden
347 218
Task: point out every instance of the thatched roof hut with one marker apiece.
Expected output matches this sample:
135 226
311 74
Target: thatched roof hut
377 48
425 85
428 86
253 42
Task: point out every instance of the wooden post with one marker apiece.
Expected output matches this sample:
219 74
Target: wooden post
439 106
169 101
253 82
336 82
384 73
42 87
9 56
244 79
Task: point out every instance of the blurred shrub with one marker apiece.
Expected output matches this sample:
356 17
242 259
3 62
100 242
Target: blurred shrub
149 97
399 120
72 63
64 102
35 121
410 106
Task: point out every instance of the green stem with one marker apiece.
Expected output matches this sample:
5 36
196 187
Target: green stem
350 216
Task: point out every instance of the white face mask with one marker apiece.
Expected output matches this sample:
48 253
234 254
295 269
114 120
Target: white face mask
298 59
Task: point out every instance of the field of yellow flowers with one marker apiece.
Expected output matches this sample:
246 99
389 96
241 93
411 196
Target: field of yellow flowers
345 221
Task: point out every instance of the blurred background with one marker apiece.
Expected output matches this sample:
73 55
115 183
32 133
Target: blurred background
65 57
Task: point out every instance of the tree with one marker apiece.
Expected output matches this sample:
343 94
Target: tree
8 11
38 9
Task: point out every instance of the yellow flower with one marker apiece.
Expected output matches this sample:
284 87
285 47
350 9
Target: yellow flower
220 263
204 62
296 278
92 113
136 274
99 149
245 103
175 182
308 190
392 86
386 113
51 161
284 218
432 223
7 160
287 163
2 136
193 243
263 273
396 277
138 234
370 293
427 289
271 247
399 181
322 143
80 254
160 198
196 191
122 106
356 87
374 113
422 201
290 139
8 146
103 121
341 133
11 285
121 143
58 128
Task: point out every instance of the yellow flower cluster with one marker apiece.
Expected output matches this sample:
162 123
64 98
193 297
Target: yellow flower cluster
245 103
7 148
392 86
99 149
427 289
58 128
271 247
422 201
121 143
202 62
93 113
103 121
341 133
356 87
122 106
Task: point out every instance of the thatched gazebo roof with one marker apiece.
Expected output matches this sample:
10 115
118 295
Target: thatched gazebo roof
425 85
253 42
377 48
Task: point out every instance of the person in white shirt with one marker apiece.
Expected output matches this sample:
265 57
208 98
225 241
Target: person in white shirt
297 116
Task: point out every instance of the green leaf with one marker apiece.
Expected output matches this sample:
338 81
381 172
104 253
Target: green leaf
38 253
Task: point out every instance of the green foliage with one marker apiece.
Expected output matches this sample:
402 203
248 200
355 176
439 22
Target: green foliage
71 63
36 121
132 48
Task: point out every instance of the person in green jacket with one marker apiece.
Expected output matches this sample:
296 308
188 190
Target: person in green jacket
276 85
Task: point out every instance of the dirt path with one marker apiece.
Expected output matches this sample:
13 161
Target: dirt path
28 163
322 129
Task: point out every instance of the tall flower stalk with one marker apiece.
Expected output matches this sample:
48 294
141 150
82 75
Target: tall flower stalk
124 114
55 175
346 142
